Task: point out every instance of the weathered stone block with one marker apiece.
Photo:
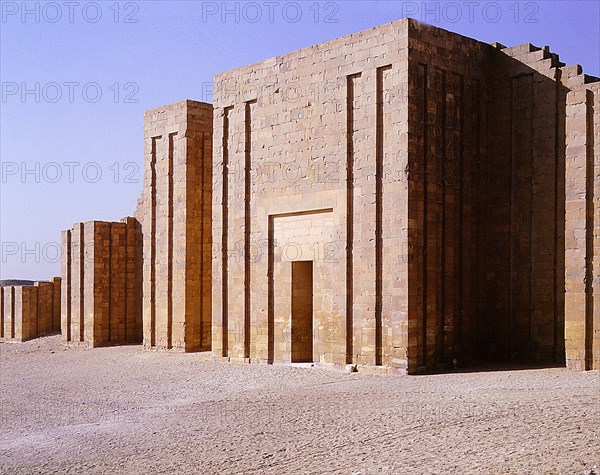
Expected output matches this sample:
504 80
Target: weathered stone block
102 283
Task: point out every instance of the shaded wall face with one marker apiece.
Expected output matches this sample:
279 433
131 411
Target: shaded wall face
522 305
175 212
447 162
310 152
56 303
302 312
44 308
486 202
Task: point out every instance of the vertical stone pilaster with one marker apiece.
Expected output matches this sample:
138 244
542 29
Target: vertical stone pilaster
175 212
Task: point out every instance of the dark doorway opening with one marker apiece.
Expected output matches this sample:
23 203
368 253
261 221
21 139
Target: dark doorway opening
302 312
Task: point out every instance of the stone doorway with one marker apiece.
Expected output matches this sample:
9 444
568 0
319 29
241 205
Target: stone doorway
302 312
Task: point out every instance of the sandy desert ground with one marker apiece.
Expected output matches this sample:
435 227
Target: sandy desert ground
126 410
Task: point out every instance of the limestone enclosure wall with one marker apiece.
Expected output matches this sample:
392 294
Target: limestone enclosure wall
396 198
175 212
101 291
421 176
30 311
582 229
310 152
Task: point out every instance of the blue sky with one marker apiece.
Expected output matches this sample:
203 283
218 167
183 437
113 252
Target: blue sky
76 79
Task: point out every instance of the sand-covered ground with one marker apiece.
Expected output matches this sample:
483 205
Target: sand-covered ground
127 410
